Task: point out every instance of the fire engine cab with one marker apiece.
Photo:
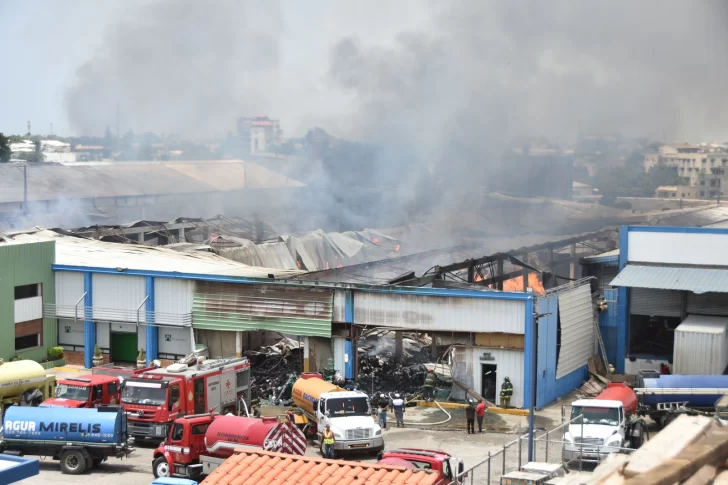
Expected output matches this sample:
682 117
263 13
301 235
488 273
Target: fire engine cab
154 399
89 391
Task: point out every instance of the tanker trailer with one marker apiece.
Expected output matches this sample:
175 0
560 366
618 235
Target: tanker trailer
198 444
665 397
79 438
347 412
25 383
603 425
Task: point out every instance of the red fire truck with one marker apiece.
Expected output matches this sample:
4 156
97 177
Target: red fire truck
89 391
155 398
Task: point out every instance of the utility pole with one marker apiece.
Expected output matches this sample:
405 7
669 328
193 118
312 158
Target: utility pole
117 121
532 384
28 127
51 128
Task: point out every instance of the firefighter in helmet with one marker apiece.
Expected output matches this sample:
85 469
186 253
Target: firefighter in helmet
506 393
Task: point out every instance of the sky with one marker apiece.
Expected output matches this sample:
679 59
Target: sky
436 75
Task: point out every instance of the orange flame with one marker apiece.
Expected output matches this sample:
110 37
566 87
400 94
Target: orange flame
339 265
396 248
298 263
516 284
375 240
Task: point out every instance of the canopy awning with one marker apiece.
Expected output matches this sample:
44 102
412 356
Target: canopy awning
697 280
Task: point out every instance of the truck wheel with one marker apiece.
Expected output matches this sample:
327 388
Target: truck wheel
73 462
161 467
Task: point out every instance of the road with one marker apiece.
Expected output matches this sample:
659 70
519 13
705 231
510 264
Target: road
137 470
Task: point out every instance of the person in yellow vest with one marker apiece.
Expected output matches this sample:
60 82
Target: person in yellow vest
327 442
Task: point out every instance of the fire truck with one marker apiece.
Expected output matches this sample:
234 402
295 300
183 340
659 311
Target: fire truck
154 399
90 391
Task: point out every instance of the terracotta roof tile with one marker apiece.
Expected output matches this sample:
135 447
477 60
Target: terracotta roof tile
248 467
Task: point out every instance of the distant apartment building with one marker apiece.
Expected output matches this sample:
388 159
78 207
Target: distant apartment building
703 166
259 134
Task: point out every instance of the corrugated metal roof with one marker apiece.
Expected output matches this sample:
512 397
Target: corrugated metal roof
609 256
697 280
74 251
265 467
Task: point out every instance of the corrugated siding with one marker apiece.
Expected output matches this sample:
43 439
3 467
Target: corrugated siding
116 298
69 289
25 264
699 350
171 298
339 352
576 316
697 280
241 307
467 368
339 305
708 304
645 301
429 313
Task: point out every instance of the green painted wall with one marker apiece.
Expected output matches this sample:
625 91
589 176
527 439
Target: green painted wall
25 264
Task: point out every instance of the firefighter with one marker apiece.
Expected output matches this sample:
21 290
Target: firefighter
428 390
470 415
327 442
506 392
398 407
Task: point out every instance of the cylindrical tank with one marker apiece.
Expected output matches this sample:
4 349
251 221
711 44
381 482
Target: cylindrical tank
63 424
20 376
226 433
308 389
684 382
620 391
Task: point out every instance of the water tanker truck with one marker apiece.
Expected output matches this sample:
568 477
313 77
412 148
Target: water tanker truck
321 403
198 444
603 425
24 383
663 398
79 438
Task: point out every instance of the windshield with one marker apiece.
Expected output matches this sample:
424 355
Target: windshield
607 416
143 393
348 406
77 393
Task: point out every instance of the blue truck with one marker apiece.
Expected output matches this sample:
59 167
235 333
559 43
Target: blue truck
80 438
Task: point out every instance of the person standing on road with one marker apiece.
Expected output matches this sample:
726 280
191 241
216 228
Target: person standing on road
327 439
398 406
428 390
480 413
383 404
470 415
506 393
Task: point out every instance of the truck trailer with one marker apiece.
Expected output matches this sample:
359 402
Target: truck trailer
79 438
348 412
603 425
197 445
24 383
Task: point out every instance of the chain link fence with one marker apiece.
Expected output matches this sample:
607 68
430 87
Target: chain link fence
548 447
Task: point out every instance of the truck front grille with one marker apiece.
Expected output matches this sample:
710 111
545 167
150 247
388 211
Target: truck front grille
358 434
589 441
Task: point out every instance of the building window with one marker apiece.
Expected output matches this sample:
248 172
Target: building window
702 182
29 334
27 291
713 193
702 193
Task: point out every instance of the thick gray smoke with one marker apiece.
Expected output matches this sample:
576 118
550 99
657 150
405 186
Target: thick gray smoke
451 93
180 66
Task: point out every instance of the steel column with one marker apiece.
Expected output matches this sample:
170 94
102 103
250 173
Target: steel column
152 330
89 326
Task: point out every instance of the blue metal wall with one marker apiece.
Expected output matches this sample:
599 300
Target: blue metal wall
608 325
549 387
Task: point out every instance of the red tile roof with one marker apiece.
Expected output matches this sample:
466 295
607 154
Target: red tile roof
249 467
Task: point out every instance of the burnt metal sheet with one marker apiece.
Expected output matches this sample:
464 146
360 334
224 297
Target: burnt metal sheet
576 319
242 307
442 313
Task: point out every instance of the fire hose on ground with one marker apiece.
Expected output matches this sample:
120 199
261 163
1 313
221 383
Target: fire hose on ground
449 416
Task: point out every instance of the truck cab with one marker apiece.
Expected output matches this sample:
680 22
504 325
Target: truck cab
183 448
597 428
350 417
444 464
89 391
152 403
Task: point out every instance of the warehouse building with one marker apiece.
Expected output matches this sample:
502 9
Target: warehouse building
672 280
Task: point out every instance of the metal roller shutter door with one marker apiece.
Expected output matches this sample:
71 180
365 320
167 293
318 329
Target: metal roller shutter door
242 307
708 304
649 302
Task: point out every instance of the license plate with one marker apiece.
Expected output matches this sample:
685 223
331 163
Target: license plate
358 446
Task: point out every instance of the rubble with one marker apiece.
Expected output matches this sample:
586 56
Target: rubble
273 368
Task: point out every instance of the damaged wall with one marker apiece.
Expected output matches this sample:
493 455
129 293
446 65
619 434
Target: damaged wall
319 351
468 365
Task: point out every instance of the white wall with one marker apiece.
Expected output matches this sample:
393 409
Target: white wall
509 364
28 309
175 340
678 248
70 332
69 288
117 297
172 299
428 313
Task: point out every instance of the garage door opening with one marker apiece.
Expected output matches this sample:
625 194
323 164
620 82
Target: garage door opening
489 382
123 347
